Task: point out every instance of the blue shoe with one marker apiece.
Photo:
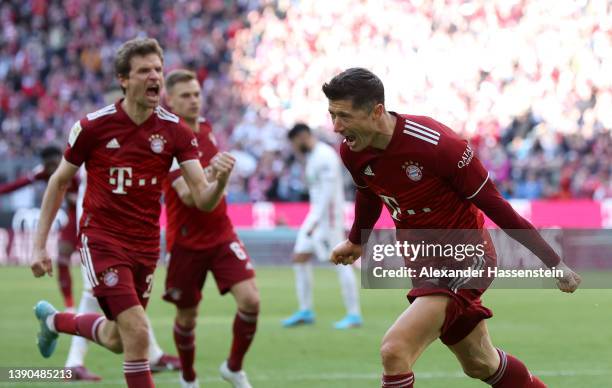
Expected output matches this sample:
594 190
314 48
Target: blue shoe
302 317
47 340
348 322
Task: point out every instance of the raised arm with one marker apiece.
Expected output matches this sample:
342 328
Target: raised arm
206 196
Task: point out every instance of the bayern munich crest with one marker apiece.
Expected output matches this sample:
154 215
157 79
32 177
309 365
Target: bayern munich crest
414 170
111 277
157 143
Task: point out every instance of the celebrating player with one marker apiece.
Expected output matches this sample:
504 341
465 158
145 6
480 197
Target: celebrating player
322 229
428 178
127 148
199 242
158 360
51 157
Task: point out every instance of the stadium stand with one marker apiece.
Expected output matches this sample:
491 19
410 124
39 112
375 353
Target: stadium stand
526 81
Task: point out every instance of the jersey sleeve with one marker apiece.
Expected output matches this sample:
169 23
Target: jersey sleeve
186 145
79 143
460 167
368 205
175 171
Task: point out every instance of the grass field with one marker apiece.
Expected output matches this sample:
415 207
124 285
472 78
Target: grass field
566 339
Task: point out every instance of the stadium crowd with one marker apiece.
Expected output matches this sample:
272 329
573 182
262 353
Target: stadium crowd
527 81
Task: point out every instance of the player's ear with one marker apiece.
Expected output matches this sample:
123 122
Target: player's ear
123 81
378 111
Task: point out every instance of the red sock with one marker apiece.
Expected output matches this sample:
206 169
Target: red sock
184 339
65 281
138 374
512 373
84 325
244 328
398 381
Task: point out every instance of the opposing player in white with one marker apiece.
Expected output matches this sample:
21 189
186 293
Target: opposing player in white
322 229
89 304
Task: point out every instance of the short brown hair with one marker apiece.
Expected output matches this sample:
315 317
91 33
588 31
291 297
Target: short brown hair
132 48
177 76
357 84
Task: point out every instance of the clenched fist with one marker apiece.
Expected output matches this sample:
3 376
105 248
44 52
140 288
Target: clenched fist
41 263
222 165
345 253
570 280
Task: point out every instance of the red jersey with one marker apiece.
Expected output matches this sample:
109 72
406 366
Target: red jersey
189 227
425 176
126 165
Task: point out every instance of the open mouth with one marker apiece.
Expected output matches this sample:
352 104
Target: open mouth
350 140
152 91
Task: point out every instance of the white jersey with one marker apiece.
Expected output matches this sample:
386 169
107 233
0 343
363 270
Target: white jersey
324 180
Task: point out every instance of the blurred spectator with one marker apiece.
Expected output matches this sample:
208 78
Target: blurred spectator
528 81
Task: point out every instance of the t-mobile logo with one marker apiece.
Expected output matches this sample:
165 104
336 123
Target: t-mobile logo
120 176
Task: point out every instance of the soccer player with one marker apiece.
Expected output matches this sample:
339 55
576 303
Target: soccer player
127 148
51 156
158 360
199 242
322 229
428 178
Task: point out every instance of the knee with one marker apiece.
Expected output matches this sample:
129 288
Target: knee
478 369
186 317
393 353
136 332
249 304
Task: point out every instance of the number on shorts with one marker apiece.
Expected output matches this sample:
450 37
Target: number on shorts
237 248
149 280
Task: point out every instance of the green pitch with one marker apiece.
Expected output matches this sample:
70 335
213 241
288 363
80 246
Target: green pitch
565 339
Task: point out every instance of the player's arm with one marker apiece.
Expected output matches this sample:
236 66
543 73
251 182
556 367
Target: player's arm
469 178
491 202
38 173
54 194
16 184
182 190
368 207
206 196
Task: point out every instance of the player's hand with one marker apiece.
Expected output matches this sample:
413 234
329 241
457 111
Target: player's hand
345 253
41 264
570 280
222 165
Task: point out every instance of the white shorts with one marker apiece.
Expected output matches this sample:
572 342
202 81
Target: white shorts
320 243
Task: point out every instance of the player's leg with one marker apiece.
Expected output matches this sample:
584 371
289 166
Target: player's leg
78 345
184 339
63 270
350 296
481 360
233 271
245 321
94 327
304 281
185 278
324 240
407 338
159 360
133 328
